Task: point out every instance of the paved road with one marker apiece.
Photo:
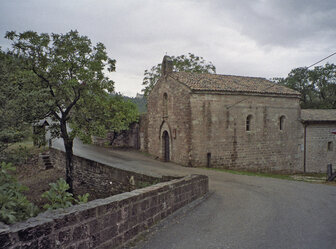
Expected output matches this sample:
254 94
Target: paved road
240 212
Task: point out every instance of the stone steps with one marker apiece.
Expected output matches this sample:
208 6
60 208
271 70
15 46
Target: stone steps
45 160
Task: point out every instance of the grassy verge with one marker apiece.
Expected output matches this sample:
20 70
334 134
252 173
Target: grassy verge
248 173
20 152
309 177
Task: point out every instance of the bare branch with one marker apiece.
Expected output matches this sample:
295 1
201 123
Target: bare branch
68 109
56 115
49 86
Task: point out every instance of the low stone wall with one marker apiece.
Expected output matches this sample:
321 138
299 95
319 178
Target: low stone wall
100 180
104 223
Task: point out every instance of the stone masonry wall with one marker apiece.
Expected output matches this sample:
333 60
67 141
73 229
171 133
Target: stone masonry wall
125 139
175 119
219 128
104 223
100 180
143 132
318 155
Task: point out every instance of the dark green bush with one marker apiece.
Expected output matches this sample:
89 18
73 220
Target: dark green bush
58 197
14 205
16 156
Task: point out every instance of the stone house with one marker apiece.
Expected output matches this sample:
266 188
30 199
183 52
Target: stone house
319 138
212 120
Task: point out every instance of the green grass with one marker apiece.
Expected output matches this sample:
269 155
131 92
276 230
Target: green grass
144 184
248 173
28 143
20 152
309 177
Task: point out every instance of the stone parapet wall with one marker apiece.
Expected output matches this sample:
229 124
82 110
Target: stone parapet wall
100 180
104 223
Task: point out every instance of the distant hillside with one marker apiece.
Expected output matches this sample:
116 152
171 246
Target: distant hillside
141 103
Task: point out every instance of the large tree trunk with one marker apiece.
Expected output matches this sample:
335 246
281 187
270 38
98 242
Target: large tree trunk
68 144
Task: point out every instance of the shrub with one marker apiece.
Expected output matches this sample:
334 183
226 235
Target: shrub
14 205
82 198
16 156
58 197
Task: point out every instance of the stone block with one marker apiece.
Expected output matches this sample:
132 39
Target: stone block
80 232
65 221
33 233
47 242
5 240
108 233
65 236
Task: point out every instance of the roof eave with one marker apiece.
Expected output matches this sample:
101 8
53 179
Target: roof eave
224 92
317 121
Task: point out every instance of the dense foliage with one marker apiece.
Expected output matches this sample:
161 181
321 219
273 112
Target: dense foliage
58 197
140 103
113 115
16 155
70 70
14 205
186 63
317 86
20 103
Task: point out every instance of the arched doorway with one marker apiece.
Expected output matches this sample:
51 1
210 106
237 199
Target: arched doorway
165 143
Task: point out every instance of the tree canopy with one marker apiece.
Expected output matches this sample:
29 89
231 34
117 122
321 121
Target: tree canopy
186 63
317 86
141 103
20 104
71 71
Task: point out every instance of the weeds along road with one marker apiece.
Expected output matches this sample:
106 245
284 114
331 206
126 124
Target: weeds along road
240 211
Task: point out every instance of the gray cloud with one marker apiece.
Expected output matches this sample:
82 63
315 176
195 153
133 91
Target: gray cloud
256 38
283 23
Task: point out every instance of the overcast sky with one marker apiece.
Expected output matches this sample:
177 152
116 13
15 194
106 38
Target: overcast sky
264 38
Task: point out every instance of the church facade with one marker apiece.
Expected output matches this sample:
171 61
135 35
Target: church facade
210 120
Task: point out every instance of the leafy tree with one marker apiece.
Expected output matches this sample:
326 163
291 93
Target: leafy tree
20 103
114 115
71 70
186 63
317 86
125 114
141 103
323 79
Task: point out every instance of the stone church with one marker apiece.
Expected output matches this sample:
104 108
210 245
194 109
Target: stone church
211 120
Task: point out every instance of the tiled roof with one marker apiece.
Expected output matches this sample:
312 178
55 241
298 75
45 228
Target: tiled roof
230 83
318 114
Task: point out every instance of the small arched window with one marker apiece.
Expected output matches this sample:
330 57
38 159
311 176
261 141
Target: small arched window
165 105
248 122
282 122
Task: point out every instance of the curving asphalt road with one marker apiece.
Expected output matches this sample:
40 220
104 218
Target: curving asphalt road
240 212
